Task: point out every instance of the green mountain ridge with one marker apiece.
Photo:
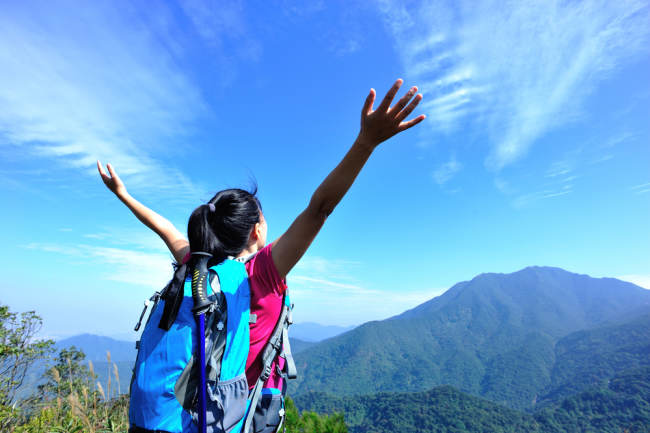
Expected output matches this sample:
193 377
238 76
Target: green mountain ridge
494 336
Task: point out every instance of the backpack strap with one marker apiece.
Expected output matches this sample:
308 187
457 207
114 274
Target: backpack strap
270 353
173 297
289 365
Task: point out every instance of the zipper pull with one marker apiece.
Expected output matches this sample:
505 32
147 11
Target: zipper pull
144 310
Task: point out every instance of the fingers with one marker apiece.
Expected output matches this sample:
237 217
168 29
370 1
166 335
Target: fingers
389 96
403 101
102 173
409 109
367 106
112 171
406 125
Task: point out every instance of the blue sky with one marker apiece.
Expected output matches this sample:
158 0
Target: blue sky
535 150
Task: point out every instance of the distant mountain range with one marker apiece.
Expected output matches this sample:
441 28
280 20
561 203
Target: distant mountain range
315 332
510 338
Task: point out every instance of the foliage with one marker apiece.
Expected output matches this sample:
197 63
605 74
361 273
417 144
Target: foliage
88 413
587 358
621 405
311 422
18 350
440 410
67 376
70 401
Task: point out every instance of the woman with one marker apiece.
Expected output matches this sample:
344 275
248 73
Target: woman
232 222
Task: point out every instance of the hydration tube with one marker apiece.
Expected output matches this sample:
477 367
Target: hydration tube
201 306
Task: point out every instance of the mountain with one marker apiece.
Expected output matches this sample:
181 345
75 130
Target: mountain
494 336
314 332
96 347
298 345
619 405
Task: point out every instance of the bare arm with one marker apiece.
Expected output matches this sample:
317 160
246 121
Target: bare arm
376 127
176 242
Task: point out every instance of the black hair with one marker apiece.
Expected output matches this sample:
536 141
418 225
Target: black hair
223 226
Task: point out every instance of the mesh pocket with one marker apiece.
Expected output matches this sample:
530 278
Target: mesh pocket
226 404
269 413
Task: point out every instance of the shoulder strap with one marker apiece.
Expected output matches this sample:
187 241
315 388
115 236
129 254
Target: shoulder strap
173 296
272 350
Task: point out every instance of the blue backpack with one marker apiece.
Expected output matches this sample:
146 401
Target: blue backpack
166 387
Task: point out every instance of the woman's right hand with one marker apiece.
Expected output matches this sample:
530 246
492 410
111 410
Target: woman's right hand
112 182
381 124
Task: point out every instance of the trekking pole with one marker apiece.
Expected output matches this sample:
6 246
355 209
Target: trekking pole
201 306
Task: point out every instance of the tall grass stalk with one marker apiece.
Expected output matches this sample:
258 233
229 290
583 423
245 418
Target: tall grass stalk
108 384
117 379
91 368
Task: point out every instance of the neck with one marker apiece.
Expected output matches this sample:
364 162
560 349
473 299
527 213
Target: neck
251 249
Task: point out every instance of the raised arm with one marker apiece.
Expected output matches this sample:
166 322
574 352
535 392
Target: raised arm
376 126
176 242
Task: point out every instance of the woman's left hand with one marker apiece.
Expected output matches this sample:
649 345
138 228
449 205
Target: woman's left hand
381 124
112 182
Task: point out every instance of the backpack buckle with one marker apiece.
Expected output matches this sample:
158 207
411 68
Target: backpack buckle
266 373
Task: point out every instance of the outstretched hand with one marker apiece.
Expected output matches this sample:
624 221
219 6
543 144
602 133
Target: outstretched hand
384 122
112 182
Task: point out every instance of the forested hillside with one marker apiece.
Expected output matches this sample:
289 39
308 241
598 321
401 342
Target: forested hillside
620 405
494 336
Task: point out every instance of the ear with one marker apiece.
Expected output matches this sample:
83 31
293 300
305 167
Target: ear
256 232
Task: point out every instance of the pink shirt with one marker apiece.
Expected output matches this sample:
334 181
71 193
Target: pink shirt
267 291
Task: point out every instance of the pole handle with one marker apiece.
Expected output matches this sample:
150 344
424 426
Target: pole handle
200 282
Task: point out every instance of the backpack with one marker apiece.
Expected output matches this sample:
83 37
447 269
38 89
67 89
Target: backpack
165 384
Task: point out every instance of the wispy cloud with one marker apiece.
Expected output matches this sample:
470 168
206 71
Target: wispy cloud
151 270
515 70
327 291
641 188
81 83
557 180
529 198
446 171
221 22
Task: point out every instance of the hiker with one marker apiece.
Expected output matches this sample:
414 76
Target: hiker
232 225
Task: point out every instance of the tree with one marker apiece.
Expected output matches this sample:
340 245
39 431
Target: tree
311 422
19 349
67 376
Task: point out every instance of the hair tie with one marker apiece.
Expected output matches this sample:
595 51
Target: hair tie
211 206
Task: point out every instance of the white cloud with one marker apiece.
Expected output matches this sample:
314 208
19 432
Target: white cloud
515 70
559 168
639 280
333 304
641 188
151 270
220 22
327 291
82 83
446 171
524 200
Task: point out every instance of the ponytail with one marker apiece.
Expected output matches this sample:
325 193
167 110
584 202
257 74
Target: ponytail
222 226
